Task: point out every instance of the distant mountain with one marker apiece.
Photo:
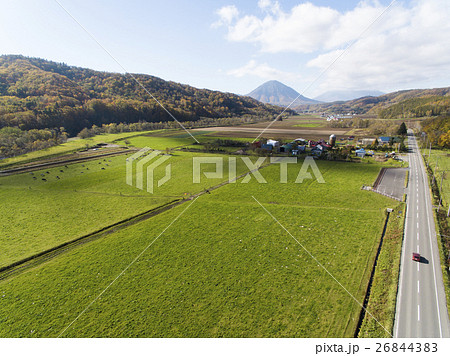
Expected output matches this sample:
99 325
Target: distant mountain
37 94
276 93
344 95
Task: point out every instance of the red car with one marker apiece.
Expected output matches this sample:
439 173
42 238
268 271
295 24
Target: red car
416 257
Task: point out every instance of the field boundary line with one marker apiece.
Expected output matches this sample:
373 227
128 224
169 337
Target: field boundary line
41 257
124 69
126 268
320 264
38 166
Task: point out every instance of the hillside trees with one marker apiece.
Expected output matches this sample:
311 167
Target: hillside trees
39 94
438 130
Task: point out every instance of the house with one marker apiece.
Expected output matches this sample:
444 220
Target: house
256 144
384 140
273 143
360 153
318 150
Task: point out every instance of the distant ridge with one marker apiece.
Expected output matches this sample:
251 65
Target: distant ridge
276 93
399 104
345 95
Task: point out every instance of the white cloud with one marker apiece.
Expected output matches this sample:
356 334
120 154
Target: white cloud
415 51
407 44
269 6
226 15
261 70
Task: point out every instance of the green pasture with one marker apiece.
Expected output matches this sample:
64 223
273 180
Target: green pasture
224 268
38 215
67 147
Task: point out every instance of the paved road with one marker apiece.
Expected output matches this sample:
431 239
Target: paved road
393 183
421 307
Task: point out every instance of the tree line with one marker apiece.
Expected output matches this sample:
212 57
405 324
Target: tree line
14 141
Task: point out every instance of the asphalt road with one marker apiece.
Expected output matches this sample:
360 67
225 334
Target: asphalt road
393 182
421 306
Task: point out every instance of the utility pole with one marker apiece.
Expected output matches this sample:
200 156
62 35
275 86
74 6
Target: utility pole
440 191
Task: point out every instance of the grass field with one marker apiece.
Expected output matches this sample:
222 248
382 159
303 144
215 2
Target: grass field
66 147
38 215
308 124
383 294
440 164
225 268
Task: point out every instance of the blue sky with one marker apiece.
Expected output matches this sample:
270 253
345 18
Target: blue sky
236 46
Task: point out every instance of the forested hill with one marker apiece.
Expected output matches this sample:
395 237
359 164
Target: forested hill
36 94
404 103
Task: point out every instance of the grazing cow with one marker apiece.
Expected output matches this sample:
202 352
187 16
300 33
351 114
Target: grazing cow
103 167
82 165
32 173
66 166
44 179
34 178
61 171
87 168
42 174
47 172
82 172
57 177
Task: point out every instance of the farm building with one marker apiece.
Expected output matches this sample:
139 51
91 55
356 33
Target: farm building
368 141
301 141
286 148
387 140
318 150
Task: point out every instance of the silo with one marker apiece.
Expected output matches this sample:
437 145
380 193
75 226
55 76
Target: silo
332 140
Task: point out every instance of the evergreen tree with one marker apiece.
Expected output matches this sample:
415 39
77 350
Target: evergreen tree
402 129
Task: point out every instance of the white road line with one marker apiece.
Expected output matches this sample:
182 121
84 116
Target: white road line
418 249
417 225
418 312
418 286
418 267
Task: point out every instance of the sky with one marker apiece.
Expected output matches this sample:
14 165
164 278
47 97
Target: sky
234 46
